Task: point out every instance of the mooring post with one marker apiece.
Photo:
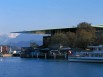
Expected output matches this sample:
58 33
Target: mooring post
45 55
54 54
65 55
37 55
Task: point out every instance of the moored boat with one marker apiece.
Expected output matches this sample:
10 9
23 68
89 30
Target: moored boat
95 54
7 55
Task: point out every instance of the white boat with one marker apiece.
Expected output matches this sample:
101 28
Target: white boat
93 55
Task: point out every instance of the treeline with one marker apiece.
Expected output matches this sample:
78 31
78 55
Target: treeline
84 36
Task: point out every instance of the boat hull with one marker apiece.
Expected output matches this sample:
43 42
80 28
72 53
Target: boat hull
85 59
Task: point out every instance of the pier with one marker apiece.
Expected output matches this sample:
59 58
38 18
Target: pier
45 53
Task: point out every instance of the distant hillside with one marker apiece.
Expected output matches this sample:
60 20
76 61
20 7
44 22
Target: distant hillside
20 40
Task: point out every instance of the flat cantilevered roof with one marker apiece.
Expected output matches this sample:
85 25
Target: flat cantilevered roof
52 31
48 31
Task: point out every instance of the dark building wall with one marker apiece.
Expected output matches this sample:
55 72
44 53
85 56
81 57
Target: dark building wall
63 30
46 40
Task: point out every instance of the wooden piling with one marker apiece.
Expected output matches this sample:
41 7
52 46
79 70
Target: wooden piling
45 55
54 54
37 55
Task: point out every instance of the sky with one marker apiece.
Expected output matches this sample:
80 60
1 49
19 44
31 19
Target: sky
20 15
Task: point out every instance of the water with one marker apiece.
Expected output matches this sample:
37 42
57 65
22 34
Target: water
21 67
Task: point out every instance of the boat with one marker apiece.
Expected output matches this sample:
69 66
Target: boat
94 54
6 55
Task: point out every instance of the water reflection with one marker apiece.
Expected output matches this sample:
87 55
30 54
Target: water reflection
26 67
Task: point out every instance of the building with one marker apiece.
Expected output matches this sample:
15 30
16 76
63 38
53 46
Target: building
4 49
50 32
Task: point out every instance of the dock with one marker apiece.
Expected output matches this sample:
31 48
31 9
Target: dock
45 53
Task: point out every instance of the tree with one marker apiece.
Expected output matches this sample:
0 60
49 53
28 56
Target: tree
71 39
86 26
85 35
33 45
59 38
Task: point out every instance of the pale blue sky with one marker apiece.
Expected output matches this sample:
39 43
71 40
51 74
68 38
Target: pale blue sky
19 15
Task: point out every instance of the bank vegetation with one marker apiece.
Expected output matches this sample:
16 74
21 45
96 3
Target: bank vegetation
84 36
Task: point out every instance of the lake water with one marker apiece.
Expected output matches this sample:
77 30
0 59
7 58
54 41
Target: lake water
30 67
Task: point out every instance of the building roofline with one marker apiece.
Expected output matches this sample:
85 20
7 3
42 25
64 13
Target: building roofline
46 31
100 26
42 30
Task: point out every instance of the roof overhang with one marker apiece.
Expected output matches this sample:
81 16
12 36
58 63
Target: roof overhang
46 31
50 31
